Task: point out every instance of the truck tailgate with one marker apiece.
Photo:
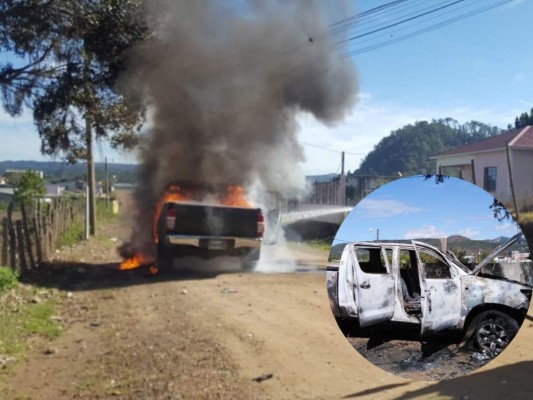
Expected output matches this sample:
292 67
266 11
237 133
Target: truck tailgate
204 220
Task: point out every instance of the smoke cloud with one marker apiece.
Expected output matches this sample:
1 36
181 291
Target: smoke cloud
225 83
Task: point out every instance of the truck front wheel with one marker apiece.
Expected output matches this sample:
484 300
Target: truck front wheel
493 331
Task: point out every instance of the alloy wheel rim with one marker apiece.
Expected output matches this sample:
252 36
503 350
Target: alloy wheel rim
493 337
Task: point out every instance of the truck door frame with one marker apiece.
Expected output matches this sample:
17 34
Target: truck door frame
441 300
375 292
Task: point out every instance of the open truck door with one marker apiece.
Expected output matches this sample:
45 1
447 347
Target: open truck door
440 300
374 285
346 285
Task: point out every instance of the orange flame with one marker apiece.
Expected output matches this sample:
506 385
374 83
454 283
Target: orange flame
235 197
173 193
131 263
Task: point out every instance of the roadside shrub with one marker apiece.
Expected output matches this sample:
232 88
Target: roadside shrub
8 279
104 210
74 234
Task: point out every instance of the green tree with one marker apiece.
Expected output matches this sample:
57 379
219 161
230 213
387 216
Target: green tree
31 185
67 57
523 119
13 177
407 150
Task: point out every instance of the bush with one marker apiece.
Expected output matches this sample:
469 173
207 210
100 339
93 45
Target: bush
104 211
8 279
74 234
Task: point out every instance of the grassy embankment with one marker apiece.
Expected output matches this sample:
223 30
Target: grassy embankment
28 312
25 312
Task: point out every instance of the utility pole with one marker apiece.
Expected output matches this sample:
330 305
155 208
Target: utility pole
87 213
341 192
473 171
511 181
91 182
106 186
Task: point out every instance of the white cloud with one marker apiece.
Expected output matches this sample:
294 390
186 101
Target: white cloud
506 228
385 208
426 231
20 141
469 233
370 121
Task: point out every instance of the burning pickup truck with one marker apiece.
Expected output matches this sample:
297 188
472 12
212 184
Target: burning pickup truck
419 285
207 221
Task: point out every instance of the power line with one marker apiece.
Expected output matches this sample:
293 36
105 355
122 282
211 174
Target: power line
368 12
426 29
328 149
319 147
393 7
405 20
403 28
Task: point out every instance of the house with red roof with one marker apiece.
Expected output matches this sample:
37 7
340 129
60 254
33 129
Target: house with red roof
485 163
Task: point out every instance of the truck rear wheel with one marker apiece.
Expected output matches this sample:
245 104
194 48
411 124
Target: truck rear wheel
249 260
165 259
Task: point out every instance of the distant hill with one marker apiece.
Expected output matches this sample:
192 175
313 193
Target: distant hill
407 150
55 172
60 172
455 243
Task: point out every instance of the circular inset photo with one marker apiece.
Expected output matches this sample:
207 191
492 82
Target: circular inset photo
429 277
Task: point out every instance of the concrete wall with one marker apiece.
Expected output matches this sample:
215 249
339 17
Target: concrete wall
496 159
522 165
332 193
358 187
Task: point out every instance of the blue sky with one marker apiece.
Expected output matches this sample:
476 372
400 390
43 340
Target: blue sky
480 68
411 208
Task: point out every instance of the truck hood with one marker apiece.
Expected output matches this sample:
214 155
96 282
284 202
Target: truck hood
498 249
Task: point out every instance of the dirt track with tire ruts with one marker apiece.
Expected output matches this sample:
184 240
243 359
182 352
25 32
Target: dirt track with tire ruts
221 334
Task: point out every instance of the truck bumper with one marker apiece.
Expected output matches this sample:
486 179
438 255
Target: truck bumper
204 242
211 246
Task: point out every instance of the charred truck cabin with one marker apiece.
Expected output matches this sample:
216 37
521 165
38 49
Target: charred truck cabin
415 283
207 221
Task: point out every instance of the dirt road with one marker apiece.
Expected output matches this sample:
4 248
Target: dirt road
220 334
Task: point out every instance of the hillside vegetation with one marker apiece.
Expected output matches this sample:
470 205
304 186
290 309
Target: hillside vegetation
407 150
59 171
456 243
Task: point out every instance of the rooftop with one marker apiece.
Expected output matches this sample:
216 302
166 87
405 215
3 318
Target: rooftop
518 139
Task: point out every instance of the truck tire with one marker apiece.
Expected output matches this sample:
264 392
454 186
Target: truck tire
165 259
249 260
492 331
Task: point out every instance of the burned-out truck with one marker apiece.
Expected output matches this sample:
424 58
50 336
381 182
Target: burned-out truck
200 220
417 284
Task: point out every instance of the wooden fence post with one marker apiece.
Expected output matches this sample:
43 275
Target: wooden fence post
5 247
12 242
21 247
44 236
29 243
38 233
49 228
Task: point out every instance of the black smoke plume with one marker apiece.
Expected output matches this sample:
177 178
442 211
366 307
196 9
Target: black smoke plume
225 82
